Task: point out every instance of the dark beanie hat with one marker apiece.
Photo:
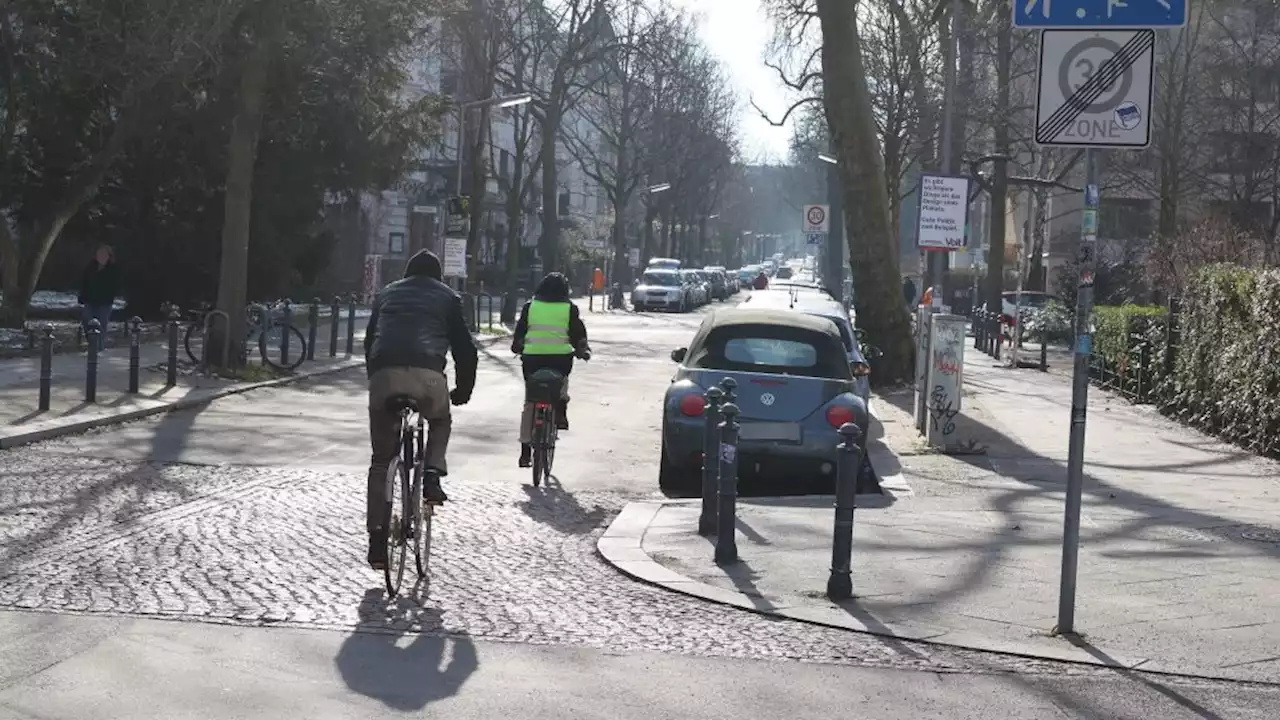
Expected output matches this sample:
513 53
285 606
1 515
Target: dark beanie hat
424 263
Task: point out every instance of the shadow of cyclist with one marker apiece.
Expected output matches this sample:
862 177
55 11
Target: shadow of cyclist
376 662
557 508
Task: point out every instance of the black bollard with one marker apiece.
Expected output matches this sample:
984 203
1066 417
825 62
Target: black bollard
999 338
335 316
710 464
351 325
840 583
1044 352
730 387
313 321
977 330
135 333
286 320
171 378
726 521
94 335
46 367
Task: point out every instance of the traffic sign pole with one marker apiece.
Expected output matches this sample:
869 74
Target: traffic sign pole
1087 260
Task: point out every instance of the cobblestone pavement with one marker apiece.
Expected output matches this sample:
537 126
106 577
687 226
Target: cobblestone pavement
229 545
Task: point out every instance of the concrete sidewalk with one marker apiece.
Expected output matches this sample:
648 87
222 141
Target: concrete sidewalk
1179 564
22 422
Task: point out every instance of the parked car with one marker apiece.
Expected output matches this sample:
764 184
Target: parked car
821 304
661 290
725 286
1031 303
699 289
795 390
747 274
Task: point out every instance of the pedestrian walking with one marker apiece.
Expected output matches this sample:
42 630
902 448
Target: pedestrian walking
99 286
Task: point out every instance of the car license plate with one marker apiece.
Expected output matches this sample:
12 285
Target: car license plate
785 432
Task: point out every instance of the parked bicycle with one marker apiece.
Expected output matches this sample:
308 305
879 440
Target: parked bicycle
266 329
544 389
408 517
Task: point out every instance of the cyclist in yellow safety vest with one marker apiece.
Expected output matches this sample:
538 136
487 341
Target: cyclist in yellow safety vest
548 335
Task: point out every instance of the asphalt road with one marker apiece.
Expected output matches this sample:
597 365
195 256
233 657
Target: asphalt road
208 564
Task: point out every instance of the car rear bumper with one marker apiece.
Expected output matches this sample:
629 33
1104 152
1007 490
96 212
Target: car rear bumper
802 461
662 303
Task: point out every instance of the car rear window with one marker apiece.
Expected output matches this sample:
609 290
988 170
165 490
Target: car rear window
784 273
779 349
661 279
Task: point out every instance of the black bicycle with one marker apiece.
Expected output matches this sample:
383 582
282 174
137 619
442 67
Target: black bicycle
545 390
264 329
408 517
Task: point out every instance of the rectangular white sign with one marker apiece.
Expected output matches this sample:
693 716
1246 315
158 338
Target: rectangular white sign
1095 88
454 261
633 257
944 212
817 219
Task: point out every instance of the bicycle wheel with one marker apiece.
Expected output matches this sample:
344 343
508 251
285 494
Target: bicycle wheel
422 540
396 524
193 341
552 432
271 347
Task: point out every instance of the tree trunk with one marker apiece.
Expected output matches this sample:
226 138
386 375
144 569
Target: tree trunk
515 223
242 154
873 249
479 172
1000 181
549 242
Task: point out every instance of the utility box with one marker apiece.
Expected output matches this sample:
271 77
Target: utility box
945 375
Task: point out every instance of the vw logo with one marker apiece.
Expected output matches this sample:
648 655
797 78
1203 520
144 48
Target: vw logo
767 399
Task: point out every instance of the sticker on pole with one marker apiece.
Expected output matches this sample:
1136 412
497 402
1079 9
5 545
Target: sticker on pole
943 214
817 219
1095 88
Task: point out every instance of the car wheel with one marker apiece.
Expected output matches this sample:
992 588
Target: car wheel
677 482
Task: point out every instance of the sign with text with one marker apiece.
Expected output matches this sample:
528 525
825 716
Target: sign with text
946 366
817 219
943 214
1096 14
1095 88
454 261
633 257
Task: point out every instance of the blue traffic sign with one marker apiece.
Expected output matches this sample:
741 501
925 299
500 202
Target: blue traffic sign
1099 13
816 238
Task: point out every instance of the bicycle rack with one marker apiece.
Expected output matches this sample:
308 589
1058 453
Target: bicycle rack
204 340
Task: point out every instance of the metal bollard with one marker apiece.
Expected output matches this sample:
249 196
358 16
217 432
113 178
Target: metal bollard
135 339
94 336
286 320
999 339
46 367
313 320
730 387
726 521
171 378
710 464
491 310
1044 352
977 330
335 316
351 325
840 582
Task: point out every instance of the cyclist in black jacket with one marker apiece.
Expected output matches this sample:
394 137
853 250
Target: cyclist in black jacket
416 321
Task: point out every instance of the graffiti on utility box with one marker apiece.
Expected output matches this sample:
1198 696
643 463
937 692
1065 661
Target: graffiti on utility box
946 369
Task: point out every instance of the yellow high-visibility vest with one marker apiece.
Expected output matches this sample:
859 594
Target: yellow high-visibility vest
548 329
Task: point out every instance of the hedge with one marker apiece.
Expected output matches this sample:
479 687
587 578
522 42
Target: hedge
1215 364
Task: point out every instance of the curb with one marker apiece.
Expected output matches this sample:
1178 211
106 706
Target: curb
621 546
75 427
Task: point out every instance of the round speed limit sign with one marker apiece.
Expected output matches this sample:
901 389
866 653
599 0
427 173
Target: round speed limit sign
815 219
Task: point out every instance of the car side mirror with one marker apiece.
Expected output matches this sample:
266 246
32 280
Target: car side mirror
678 355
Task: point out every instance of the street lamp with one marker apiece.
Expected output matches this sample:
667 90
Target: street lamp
504 101
660 187
828 159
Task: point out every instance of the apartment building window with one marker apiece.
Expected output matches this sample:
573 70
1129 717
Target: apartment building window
564 203
1125 219
1237 152
1249 215
396 243
504 165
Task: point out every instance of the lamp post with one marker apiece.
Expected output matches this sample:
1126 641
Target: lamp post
833 262
502 102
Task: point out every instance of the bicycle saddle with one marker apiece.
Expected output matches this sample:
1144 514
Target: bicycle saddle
399 403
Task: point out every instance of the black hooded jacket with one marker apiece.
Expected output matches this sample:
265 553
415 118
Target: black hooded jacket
416 321
553 288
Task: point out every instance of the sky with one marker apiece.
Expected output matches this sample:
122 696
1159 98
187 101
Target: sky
737 32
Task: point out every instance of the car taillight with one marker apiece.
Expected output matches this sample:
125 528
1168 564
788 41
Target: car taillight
838 415
692 405
860 369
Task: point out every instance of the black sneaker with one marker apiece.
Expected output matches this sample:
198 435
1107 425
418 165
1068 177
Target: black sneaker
431 490
526 455
562 421
378 549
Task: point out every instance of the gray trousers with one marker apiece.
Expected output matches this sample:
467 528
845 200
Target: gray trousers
431 391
